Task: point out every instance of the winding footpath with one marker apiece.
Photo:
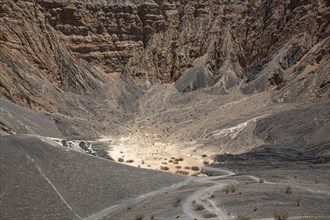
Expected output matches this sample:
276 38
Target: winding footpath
201 197
198 205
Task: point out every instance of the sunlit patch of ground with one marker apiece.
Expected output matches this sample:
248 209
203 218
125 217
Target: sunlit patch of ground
137 151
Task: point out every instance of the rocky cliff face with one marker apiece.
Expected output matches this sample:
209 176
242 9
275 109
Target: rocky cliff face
242 40
37 68
60 46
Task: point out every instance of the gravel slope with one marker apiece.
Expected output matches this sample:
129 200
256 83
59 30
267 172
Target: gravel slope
41 181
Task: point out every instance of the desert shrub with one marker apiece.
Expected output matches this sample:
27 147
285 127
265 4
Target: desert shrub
178 159
187 168
205 162
198 207
177 202
230 188
210 215
139 217
182 172
288 189
204 155
279 215
120 160
129 161
178 167
166 168
195 168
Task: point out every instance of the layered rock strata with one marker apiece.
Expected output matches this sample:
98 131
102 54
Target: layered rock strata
51 47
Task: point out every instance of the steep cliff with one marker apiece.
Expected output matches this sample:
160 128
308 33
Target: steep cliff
49 48
242 40
37 68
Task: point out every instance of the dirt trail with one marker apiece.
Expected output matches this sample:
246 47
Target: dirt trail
107 212
201 199
199 204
